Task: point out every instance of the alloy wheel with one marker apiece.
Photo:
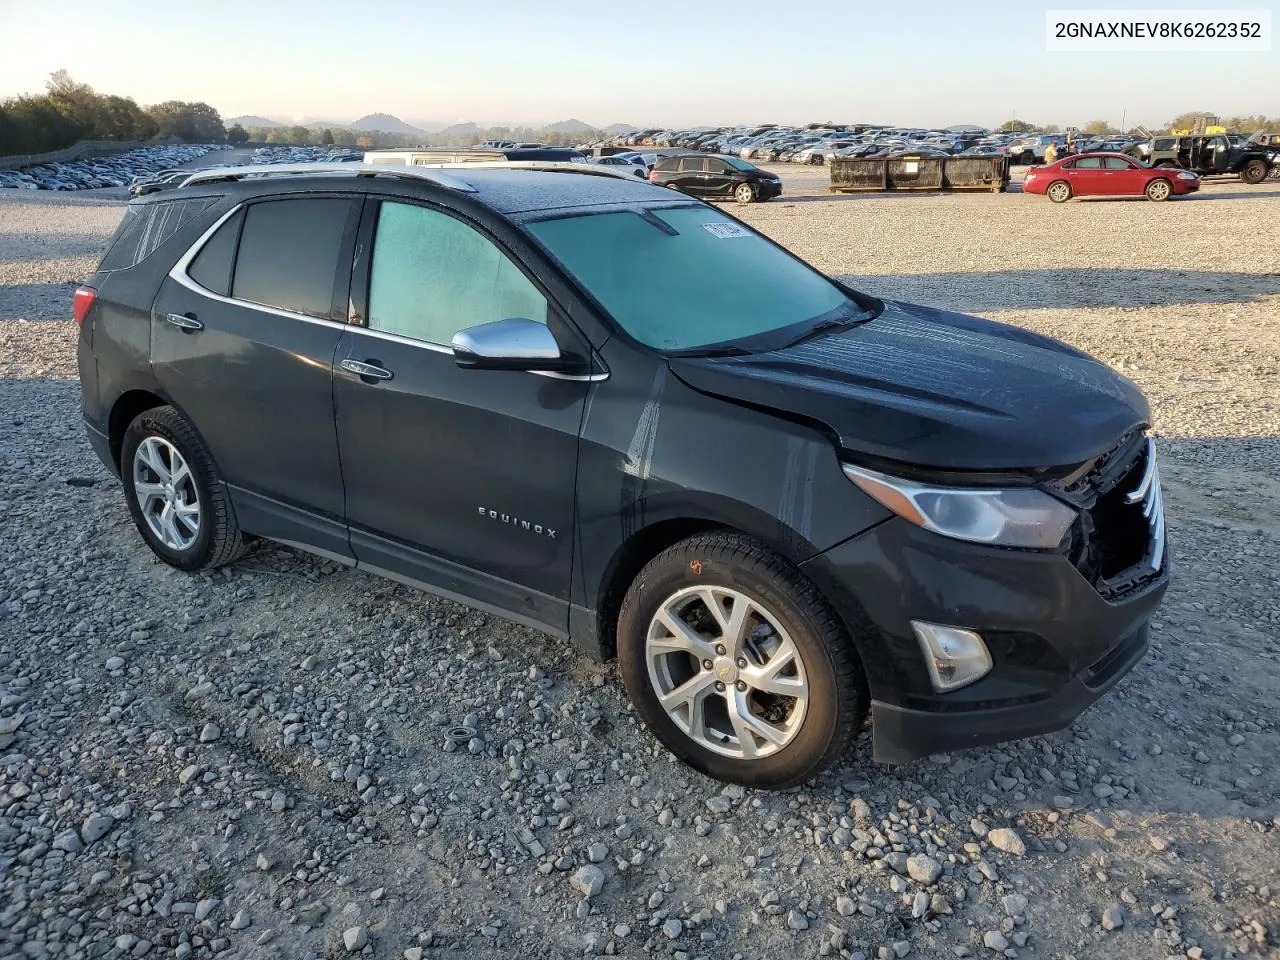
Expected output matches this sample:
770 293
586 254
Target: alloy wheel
1059 192
166 492
744 193
726 672
1158 190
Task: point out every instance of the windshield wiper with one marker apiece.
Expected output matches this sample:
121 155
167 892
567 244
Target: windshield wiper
823 327
727 350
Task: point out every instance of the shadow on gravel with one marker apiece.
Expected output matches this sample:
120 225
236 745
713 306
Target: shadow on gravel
36 301
1073 288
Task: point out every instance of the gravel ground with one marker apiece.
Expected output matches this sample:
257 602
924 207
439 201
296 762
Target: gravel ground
290 760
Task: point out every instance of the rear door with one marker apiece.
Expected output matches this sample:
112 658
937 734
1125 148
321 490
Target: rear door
244 334
693 175
1086 177
459 479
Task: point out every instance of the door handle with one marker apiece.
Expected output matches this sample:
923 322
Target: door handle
367 370
186 323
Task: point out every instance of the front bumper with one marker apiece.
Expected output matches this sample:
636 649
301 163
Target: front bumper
1056 644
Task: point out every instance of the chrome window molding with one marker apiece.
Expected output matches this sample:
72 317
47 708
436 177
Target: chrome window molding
179 275
439 348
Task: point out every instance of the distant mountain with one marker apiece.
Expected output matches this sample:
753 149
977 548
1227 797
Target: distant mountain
568 126
458 129
252 121
616 129
384 122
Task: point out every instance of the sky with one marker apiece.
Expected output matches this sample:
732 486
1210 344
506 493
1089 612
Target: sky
643 62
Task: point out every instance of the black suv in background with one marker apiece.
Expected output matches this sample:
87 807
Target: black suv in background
622 416
716 176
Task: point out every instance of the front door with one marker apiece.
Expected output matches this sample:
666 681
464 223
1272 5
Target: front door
719 178
460 480
243 340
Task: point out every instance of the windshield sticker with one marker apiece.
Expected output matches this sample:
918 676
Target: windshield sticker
725 230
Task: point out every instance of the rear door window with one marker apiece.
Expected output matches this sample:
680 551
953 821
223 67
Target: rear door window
288 256
693 165
1116 163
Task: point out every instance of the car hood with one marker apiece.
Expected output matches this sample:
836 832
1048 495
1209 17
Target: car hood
937 390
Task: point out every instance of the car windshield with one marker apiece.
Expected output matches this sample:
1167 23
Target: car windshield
687 280
740 164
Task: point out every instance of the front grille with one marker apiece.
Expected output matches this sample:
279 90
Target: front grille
1119 540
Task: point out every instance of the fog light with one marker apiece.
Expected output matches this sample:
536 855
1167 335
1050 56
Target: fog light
955 657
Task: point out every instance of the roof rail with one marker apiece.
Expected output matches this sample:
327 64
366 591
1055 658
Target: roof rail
541 166
216 174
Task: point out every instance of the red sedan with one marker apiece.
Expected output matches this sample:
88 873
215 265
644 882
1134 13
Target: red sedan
1107 175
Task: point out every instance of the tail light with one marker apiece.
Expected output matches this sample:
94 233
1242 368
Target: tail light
653 173
81 302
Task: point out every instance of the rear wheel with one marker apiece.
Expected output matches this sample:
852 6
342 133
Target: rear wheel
1255 171
175 493
1159 189
1059 191
737 664
744 193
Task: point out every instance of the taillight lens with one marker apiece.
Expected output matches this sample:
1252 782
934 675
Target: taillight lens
653 173
81 302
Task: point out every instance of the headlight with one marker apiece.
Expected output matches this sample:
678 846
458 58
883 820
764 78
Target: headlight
1016 517
1187 176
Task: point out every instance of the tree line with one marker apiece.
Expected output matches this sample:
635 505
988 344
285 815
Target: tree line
69 112
1183 121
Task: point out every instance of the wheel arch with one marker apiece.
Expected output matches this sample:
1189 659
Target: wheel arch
126 408
629 559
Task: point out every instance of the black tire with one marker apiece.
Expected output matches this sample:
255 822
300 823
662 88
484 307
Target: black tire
1255 171
218 540
838 697
1056 195
1159 190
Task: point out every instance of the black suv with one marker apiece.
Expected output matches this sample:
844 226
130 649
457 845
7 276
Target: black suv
1206 155
716 176
624 417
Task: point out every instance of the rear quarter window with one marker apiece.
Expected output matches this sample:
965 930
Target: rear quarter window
146 226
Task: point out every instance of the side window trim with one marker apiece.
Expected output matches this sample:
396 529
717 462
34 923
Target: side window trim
179 273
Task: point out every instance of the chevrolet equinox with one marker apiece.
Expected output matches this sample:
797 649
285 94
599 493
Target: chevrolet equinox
622 416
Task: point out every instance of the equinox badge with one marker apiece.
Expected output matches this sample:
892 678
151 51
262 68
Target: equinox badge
537 528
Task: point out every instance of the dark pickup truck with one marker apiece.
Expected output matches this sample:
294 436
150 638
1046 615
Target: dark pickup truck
1205 155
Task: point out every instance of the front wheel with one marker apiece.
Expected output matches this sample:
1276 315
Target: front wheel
1255 171
1059 191
737 664
744 193
1159 189
175 494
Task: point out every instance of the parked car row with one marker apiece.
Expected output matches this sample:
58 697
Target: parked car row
819 143
291 154
117 170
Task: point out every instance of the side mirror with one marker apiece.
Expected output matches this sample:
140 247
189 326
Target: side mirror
512 344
